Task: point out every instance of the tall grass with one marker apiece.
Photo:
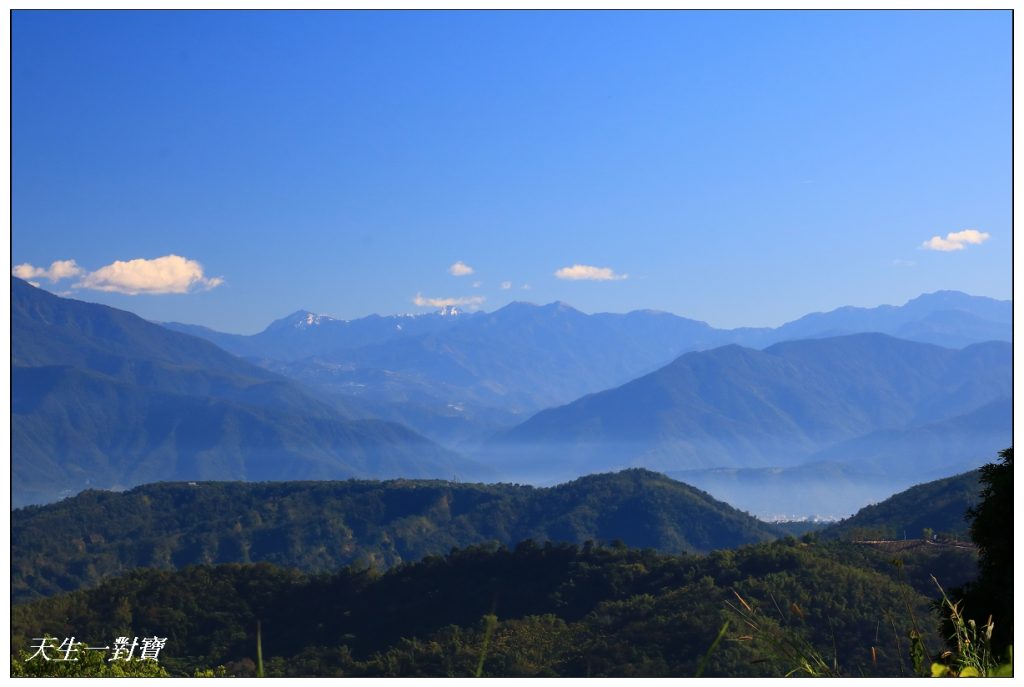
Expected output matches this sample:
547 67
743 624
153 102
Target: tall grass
259 650
973 656
490 623
784 645
970 653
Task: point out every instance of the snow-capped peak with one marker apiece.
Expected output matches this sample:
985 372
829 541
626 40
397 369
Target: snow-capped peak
448 310
308 320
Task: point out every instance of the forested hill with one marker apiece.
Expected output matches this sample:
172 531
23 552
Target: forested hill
940 506
534 610
317 526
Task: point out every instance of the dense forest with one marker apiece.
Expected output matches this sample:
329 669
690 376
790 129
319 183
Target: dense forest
939 507
660 604
322 526
553 609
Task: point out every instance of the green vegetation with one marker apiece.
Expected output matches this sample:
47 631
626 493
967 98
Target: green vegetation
939 506
798 528
322 526
988 601
535 610
785 645
259 651
653 602
971 653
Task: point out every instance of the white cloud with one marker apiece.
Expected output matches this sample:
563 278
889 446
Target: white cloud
956 240
27 271
460 269
903 263
167 274
526 287
465 301
506 285
59 269
477 284
64 269
589 272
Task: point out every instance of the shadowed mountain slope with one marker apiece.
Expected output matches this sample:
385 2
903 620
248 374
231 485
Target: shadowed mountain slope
102 398
743 408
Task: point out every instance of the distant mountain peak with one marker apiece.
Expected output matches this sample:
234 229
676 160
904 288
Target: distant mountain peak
449 311
311 320
950 297
945 292
300 319
561 306
519 305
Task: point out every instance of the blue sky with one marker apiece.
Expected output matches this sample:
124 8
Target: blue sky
743 168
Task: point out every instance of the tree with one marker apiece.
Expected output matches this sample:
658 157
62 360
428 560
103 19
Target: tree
992 530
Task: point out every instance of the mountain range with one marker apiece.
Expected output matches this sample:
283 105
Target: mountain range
102 398
458 377
887 408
